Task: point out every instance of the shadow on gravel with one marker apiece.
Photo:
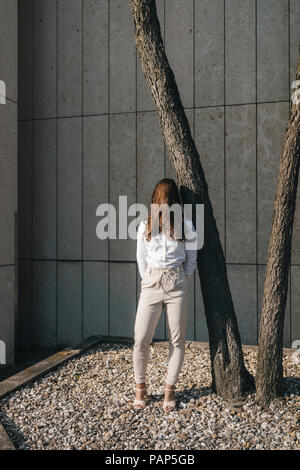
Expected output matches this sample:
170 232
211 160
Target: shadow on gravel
185 395
14 432
291 386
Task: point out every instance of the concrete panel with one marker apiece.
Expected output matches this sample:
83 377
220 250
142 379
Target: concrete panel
150 156
44 58
122 299
9 53
8 181
7 311
287 321
122 177
271 123
294 50
25 59
69 57
95 183
25 189
24 315
179 46
200 319
241 184
44 304
295 314
242 282
95 299
209 139
122 58
209 52
294 38
69 187
144 98
44 189
69 303
169 172
95 57
240 51
272 50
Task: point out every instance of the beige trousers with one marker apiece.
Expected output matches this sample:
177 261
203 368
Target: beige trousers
161 288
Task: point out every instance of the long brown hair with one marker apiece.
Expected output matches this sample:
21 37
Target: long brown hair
166 192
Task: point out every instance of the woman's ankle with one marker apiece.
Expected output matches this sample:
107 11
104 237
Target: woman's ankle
169 386
141 385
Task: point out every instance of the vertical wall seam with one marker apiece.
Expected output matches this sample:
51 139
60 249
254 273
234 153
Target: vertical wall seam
194 126
56 189
165 162
16 218
32 167
108 157
256 180
136 169
225 140
82 182
289 84
289 50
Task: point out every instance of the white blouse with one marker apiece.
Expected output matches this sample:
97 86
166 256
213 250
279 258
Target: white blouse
162 252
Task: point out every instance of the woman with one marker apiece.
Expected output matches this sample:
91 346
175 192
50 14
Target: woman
164 263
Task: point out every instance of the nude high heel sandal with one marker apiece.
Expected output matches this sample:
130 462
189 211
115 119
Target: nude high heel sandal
140 404
169 405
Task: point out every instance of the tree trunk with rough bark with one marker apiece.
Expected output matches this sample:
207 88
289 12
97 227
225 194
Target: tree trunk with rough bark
269 376
230 378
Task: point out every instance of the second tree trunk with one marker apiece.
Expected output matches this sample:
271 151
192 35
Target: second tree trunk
269 377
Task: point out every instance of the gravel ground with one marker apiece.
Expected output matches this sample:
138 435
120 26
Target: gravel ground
87 404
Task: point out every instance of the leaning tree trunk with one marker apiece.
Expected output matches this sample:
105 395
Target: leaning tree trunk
269 376
230 378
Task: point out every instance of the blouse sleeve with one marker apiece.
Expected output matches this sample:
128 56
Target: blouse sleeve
190 263
141 250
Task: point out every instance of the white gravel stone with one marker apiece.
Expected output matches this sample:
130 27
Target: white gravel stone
295 357
87 404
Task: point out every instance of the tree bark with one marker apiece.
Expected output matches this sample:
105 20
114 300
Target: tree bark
269 376
230 378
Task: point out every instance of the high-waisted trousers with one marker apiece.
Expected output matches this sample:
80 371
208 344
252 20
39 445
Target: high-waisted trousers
161 288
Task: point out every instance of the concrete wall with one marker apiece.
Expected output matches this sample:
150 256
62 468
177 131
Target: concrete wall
89 133
8 173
